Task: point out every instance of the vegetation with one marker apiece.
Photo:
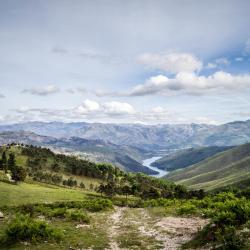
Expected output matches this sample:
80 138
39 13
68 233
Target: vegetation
66 214
24 228
229 168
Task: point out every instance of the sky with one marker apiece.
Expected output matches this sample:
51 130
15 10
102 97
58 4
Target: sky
133 61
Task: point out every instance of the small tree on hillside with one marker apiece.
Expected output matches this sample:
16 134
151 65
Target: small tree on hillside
11 161
18 173
4 161
82 185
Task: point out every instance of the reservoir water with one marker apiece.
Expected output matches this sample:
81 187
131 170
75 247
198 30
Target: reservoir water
149 161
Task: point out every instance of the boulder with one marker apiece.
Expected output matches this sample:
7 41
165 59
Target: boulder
1 215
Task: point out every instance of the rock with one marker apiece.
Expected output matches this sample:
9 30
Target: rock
41 217
1 215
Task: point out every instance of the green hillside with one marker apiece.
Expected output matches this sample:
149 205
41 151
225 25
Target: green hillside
229 168
187 157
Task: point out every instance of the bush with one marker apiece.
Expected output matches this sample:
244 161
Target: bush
24 228
187 209
78 216
58 212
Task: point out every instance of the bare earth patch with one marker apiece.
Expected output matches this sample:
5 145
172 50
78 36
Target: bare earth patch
134 228
178 230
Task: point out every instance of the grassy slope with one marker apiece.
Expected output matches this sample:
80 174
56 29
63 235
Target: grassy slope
226 168
22 161
23 193
187 157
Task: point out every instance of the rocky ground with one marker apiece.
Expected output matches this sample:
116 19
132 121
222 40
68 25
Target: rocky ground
140 229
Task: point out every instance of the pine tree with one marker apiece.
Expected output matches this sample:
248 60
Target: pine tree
18 173
11 161
4 161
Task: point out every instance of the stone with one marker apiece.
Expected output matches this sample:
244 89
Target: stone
1 215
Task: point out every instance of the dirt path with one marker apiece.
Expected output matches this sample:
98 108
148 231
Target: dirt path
136 229
115 220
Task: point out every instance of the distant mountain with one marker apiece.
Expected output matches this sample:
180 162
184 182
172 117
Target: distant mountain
186 157
231 167
142 136
149 137
126 157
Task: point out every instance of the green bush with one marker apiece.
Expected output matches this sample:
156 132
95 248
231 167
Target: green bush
187 209
78 216
24 228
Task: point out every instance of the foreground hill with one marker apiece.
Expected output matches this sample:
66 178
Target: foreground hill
150 137
126 157
231 167
187 157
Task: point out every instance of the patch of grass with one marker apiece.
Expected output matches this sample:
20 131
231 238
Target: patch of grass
24 193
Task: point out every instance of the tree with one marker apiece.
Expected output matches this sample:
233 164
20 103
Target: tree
55 167
11 161
101 188
126 190
18 173
4 161
82 185
91 186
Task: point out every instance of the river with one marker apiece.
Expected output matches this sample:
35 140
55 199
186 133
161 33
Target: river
149 161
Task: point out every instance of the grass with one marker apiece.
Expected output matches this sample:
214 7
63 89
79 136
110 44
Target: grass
24 193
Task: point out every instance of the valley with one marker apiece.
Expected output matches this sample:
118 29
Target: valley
94 194
148 163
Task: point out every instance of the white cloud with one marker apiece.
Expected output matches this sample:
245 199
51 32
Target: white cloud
190 83
171 62
118 108
211 65
88 106
2 96
42 91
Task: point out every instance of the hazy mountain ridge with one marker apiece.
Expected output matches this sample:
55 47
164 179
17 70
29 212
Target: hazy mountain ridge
151 137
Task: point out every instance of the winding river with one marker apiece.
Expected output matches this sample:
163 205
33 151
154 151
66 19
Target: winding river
149 161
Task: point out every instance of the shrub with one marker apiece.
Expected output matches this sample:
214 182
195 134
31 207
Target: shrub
187 209
78 216
58 212
24 228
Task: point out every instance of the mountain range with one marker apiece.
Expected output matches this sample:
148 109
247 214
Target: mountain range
148 137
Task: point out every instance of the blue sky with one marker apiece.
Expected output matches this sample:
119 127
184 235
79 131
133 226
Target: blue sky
141 61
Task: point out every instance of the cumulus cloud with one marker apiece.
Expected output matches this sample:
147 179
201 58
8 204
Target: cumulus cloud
88 106
171 62
42 91
2 96
118 108
192 83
